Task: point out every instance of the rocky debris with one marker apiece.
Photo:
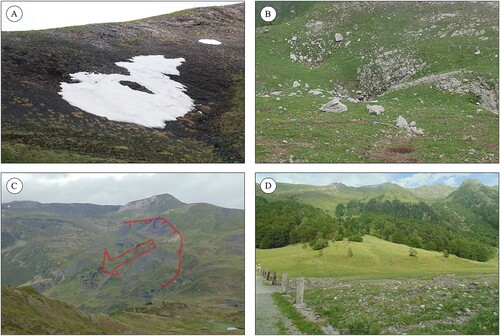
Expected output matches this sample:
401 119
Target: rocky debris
387 70
334 105
375 109
315 92
459 82
338 37
295 84
401 122
314 27
410 128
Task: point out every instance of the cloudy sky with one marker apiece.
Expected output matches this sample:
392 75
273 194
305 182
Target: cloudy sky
226 190
44 15
407 180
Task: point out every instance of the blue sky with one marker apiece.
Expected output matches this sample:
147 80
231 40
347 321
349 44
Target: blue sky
407 180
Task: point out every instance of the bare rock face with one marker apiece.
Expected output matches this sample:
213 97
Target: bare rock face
375 109
389 69
334 105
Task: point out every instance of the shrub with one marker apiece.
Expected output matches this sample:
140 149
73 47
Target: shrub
446 253
319 243
349 253
355 238
412 252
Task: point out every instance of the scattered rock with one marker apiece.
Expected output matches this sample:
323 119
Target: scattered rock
295 84
375 109
352 100
334 105
401 122
338 37
315 92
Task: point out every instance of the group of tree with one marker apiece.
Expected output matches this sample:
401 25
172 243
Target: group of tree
418 225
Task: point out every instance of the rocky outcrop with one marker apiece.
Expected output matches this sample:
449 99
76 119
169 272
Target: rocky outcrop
460 82
387 70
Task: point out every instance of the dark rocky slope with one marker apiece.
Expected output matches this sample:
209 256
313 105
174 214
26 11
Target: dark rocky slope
38 125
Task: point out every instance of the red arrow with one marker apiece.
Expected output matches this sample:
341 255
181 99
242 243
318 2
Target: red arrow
179 251
126 260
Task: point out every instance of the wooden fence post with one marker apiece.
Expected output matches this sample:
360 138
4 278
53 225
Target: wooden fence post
299 300
284 283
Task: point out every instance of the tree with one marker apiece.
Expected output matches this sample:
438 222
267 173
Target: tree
349 253
413 252
340 210
319 244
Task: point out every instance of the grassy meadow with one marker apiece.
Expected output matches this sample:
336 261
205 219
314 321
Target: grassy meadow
373 258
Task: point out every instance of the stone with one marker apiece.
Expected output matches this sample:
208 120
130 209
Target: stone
295 84
413 124
419 132
375 109
315 92
401 122
293 57
334 105
352 100
338 37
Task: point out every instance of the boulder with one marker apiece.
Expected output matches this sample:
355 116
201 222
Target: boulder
334 105
338 37
295 84
401 122
375 109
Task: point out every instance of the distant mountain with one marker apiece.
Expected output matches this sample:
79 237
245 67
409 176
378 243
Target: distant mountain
329 196
436 191
58 249
462 221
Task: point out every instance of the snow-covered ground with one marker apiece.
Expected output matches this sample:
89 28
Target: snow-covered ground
208 41
103 95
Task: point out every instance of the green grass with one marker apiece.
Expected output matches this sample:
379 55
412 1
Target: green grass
372 259
293 125
305 327
445 305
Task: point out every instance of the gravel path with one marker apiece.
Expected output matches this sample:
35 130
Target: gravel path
267 315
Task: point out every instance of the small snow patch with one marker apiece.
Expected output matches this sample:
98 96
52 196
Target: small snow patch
208 41
149 99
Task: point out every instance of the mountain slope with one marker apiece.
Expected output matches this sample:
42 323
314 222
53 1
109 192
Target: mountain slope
25 311
328 197
464 223
435 63
61 253
35 63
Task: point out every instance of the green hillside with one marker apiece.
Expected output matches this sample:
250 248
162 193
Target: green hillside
373 258
25 311
435 63
328 197
58 250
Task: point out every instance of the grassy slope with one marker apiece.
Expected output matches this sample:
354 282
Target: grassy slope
372 259
313 136
25 311
327 198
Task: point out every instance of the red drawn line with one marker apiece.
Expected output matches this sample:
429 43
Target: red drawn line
115 272
179 251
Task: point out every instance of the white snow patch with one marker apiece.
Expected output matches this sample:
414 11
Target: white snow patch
208 41
103 95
